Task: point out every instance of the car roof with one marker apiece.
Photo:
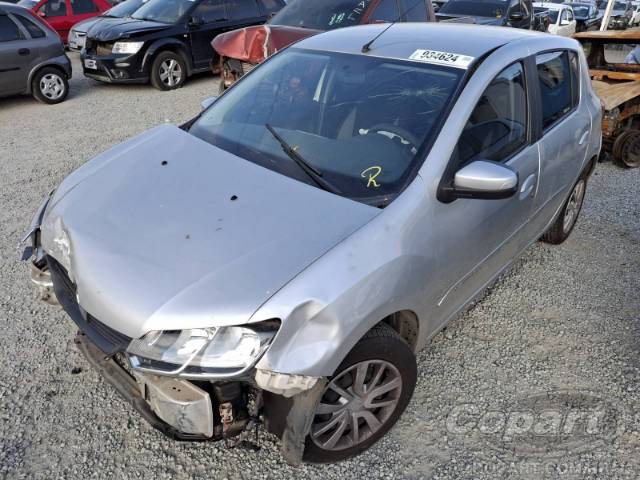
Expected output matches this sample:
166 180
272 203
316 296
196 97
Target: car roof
402 39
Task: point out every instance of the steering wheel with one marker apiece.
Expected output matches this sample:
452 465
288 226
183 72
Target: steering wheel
392 131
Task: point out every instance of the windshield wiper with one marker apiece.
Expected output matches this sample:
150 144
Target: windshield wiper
310 170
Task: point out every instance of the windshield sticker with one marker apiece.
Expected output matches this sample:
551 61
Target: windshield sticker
372 173
442 58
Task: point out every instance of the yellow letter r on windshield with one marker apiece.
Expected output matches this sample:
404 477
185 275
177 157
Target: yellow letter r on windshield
373 173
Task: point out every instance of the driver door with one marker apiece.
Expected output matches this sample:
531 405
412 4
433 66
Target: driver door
477 238
209 19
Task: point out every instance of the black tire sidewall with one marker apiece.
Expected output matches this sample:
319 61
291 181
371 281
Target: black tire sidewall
155 69
392 349
35 85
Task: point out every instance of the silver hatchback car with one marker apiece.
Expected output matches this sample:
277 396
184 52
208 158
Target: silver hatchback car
281 257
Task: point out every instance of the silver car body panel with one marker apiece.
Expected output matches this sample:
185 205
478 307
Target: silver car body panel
163 247
202 240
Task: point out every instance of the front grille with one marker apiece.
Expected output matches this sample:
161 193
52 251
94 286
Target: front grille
110 341
109 334
103 49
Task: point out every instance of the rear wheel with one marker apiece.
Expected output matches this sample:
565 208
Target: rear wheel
168 71
626 149
563 225
364 398
50 85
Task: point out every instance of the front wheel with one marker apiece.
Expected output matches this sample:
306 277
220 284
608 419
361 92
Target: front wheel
364 398
563 225
168 71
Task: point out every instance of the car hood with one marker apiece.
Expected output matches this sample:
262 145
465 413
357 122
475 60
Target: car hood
115 28
85 25
203 240
254 44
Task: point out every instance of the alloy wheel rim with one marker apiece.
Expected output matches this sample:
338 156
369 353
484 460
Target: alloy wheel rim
52 86
170 72
356 404
573 206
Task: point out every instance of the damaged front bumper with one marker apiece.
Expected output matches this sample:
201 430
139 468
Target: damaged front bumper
183 409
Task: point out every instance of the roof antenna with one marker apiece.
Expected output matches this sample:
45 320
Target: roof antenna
367 46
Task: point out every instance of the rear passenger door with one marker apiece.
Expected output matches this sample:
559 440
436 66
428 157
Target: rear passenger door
565 130
13 64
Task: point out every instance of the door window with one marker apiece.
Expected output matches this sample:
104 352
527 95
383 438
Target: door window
210 11
415 11
243 9
81 7
386 11
9 31
55 8
575 78
570 15
497 127
34 30
554 79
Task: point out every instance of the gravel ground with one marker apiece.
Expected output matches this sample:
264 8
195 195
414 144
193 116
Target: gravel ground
564 319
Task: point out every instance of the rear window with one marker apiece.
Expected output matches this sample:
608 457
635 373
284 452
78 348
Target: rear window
325 15
241 9
8 30
554 77
34 30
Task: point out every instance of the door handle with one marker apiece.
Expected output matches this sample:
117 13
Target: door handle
24 51
583 138
527 189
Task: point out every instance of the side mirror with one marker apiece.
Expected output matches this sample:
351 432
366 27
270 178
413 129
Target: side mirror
41 14
207 102
516 16
196 21
483 179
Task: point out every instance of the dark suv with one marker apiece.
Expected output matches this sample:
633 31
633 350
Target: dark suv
165 41
507 13
32 58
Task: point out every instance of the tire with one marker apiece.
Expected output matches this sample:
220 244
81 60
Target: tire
50 85
381 348
626 149
563 225
168 71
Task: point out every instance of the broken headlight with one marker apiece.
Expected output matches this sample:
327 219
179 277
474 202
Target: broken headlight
202 352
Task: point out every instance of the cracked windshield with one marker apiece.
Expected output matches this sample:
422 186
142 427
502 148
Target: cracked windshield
353 125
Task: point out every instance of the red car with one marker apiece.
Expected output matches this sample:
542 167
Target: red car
241 50
64 14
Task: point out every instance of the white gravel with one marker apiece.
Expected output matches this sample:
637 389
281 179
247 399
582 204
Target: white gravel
563 318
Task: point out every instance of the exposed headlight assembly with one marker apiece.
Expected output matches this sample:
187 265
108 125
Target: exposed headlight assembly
127 47
202 352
